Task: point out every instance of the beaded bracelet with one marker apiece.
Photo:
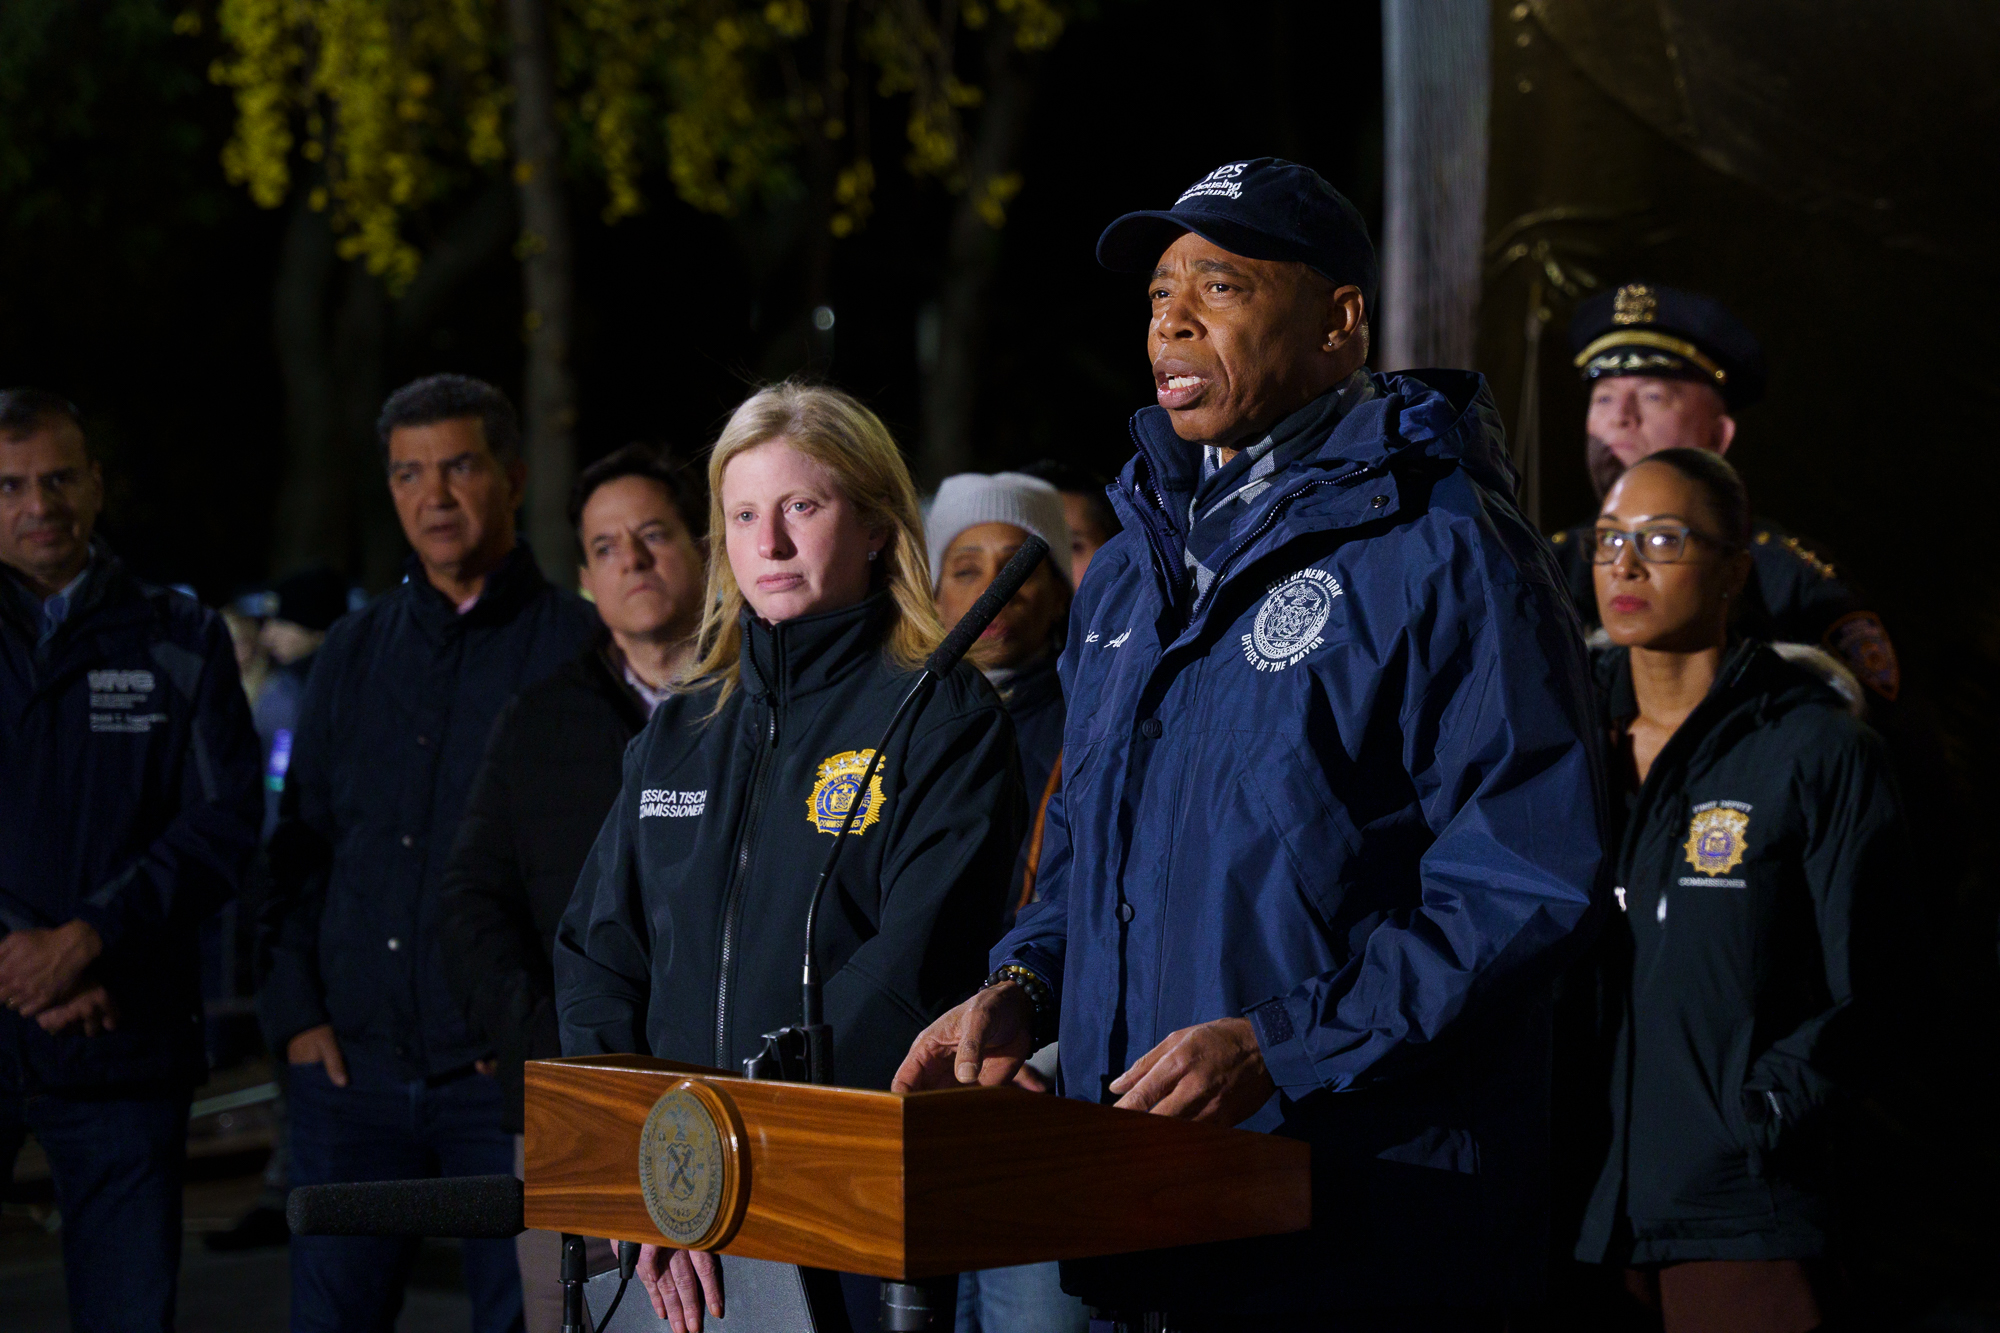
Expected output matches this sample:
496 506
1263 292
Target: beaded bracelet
1038 992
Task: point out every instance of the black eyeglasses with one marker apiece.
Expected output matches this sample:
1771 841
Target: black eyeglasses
1654 543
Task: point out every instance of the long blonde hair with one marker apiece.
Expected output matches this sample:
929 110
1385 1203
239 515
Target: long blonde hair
840 434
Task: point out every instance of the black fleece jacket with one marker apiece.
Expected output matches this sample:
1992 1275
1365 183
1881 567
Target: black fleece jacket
396 715
684 937
1759 868
551 773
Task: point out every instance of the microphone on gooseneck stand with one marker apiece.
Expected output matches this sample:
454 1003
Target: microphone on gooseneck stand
804 1053
461 1207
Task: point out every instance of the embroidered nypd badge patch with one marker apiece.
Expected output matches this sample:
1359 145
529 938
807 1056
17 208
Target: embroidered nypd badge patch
837 783
1717 836
1289 622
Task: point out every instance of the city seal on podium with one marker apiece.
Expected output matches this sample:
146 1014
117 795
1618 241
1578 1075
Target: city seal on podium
685 1160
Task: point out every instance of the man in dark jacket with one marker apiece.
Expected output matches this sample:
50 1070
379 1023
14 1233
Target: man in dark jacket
381 1082
551 773
1333 818
130 771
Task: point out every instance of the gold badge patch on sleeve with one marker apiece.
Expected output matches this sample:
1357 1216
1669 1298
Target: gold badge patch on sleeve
838 783
1716 837
1860 640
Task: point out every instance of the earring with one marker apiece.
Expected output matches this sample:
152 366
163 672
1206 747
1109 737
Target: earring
873 554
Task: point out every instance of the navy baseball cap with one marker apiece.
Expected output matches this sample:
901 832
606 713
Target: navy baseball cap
1645 328
1263 208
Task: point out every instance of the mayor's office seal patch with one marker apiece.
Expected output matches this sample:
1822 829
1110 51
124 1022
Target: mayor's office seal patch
688 1167
1717 836
1289 622
837 783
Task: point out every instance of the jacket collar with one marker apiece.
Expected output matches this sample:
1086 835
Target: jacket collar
605 671
1440 419
809 653
1031 686
103 577
1618 702
510 586
1754 684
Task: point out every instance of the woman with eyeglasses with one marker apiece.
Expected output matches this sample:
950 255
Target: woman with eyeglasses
1759 839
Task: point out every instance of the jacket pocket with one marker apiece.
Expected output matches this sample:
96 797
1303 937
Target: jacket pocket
1313 829
1749 1137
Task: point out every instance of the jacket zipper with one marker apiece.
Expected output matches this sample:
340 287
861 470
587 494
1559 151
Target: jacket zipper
1149 522
732 903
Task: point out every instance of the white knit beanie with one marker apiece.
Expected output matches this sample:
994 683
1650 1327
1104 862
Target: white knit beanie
971 498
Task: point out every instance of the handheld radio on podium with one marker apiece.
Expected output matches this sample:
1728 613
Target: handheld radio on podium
804 1053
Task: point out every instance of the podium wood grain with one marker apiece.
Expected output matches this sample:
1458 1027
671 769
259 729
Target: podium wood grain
906 1186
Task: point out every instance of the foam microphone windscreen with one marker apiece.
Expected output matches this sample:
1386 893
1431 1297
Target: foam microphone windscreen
998 593
464 1207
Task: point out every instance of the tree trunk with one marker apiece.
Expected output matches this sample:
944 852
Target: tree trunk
360 359
1436 77
548 407
336 332
949 332
314 512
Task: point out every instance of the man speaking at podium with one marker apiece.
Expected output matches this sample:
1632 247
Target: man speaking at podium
1333 818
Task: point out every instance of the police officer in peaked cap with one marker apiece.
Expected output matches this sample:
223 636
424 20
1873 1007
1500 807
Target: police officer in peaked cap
1670 369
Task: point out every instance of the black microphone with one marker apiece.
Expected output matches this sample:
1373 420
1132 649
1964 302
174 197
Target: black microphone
804 1053
464 1207
998 593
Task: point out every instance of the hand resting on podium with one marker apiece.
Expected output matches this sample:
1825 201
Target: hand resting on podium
680 1283
1212 1071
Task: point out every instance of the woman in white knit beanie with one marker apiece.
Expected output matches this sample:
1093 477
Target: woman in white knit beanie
974 526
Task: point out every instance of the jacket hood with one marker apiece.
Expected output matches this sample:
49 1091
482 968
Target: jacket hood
1447 417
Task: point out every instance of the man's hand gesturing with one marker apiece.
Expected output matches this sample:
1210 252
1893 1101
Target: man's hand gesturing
982 1041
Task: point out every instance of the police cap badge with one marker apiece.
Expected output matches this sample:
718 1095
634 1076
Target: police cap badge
1645 329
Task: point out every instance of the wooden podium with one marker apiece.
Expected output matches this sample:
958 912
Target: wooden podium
898 1186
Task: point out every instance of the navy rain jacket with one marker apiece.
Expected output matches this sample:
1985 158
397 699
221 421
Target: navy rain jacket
397 711
130 771
1355 792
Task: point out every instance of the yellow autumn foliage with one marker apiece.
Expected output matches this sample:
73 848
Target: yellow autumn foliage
390 104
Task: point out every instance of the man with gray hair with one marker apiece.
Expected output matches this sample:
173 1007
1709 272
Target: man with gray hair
1333 819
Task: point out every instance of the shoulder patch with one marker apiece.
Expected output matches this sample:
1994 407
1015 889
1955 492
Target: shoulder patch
1862 641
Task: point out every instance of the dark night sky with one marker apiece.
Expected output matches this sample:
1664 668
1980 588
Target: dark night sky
139 282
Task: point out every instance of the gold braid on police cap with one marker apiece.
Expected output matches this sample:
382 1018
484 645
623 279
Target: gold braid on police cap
1646 338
